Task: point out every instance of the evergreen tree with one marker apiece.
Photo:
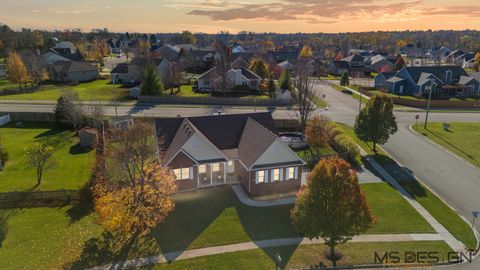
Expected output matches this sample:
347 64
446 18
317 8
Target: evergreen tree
285 80
271 87
344 80
152 84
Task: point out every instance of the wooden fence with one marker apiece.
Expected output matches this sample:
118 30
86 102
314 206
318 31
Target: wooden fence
271 102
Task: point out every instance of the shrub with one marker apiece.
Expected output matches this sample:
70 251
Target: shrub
346 147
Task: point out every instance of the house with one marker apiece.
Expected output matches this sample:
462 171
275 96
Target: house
170 52
69 72
49 58
411 51
239 63
451 58
352 64
213 81
125 73
164 70
286 65
337 68
443 81
216 150
279 57
65 46
380 63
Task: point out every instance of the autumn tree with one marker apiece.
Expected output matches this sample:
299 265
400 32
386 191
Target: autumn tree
476 62
100 50
152 84
344 79
35 67
17 71
304 94
332 206
319 132
135 195
68 112
259 67
37 156
376 122
399 63
186 37
306 52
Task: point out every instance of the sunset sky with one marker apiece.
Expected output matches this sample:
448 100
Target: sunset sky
211 16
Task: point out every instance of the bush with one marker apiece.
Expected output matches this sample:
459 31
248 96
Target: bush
241 89
346 147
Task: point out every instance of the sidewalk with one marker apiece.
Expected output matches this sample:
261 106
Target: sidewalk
245 199
439 228
193 253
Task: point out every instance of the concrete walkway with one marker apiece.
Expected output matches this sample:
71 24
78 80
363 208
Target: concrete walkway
245 199
439 228
193 253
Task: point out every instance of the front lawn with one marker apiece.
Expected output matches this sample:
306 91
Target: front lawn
95 90
461 138
303 257
70 167
185 91
442 213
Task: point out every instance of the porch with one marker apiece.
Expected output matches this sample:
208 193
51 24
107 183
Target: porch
214 174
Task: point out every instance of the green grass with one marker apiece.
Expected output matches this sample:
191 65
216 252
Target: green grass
6 84
442 213
461 138
70 167
301 257
348 92
95 90
185 91
43 238
392 212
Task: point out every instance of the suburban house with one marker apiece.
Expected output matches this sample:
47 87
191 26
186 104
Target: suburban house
411 51
125 73
380 63
213 81
337 67
352 64
69 72
286 65
239 63
241 149
443 81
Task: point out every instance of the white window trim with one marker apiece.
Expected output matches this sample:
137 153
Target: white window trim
216 165
202 168
257 177
183 173
290 173
276 177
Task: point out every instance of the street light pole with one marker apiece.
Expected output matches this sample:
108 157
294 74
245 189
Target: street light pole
428 107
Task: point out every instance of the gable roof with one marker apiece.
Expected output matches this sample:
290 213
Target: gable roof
465 79
354 58
239 63
70 66
437 71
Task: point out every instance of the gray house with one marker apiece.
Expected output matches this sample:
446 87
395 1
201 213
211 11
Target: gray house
443 81
68 71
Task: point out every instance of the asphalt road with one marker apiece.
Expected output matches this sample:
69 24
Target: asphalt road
449 177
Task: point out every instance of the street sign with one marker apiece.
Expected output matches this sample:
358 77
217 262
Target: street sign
417 117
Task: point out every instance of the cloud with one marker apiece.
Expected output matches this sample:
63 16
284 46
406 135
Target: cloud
36 11
325 11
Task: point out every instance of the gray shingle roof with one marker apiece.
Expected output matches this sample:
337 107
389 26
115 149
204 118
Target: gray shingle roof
438 71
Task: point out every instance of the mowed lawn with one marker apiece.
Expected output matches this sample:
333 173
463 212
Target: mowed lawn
302 257
462 139
201 219
96 90
69 167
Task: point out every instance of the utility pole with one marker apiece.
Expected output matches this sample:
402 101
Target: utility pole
428 107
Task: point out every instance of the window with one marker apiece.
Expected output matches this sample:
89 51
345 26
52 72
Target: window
290 173
230 167
202 169
206 83
261 177
183 173
276 175
230 163
216 167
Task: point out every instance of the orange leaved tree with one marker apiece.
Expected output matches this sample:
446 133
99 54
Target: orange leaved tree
331 205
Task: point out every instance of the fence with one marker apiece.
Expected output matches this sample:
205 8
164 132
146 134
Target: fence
422 103
38 198
4 119
31 117
215 101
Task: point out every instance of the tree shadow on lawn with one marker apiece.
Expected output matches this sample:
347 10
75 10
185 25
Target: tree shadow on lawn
78 150
447 142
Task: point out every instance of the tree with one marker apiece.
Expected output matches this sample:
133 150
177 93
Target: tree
38 41
135 195
344 80
17 71
100 50
223 64
332 205
35 67
37 156
186 37
306 51
271 87
319 133
68 112
476 62
304 94
346 147
152 84
399 63
3 155
259 67
376 122
285 80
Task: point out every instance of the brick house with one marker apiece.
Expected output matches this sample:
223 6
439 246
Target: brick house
228 149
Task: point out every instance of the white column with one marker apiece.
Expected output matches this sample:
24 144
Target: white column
225 172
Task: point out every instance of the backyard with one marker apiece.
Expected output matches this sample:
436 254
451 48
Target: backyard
460 138
195 223
70 166
95 90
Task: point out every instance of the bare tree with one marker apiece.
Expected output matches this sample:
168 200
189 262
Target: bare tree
223 64
304 93
35 67
98 115
176 76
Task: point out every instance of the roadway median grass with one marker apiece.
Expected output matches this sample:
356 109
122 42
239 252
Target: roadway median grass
69 167
461 138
